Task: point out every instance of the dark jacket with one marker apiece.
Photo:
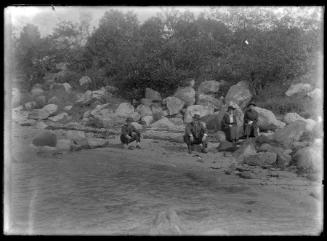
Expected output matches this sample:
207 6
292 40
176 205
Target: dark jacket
226 121
197 129
128 129
251 115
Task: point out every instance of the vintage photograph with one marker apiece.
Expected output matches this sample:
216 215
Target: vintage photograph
163 120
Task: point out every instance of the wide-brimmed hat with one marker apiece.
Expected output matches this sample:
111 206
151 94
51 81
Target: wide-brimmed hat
129 119
196 117
251 104
231 107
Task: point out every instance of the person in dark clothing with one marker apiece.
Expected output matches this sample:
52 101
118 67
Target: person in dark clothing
129 134
196 134
229 125
251 122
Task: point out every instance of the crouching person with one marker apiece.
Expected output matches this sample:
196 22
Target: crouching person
129 134
196 134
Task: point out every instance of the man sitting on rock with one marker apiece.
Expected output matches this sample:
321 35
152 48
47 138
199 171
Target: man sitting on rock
196 134
250 122
129 134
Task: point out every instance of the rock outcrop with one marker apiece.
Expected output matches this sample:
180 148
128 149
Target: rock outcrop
239 94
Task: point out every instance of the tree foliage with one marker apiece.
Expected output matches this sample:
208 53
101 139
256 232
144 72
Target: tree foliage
254 44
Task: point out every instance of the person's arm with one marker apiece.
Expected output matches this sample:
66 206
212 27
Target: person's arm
124 131
256 116
235 120
135 130
225 121
246 118
205 130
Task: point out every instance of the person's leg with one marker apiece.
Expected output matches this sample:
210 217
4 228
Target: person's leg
137 138
204 145
188 143
124 141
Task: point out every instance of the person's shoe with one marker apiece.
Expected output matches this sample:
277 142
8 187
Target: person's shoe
131 148
138 146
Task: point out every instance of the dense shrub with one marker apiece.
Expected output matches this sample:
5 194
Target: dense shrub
246 44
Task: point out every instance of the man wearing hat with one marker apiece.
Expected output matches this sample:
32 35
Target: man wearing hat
129 134
229 125
251 121
196 134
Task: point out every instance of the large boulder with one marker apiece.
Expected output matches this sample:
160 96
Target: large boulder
298 88
177 121
15 97
152 94
196 109
208 100
147 120
315 94
99 94
189 82
137 126
125 109
68 107
30 105
283 156
64 145
51 109
61 86
157 112
97 142
290 133
291 117
146 102
38 114
164 123
174 105
40 101
212 121
144 110
111 89
163 135
186 94
54 100
85 99
239 94
309 159
209 87
45 138
246 149
78 138
60 117
85 80
37 91
267 120
261 159
310 124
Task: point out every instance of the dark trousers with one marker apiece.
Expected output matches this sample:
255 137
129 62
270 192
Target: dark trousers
250 130
135 137
196 141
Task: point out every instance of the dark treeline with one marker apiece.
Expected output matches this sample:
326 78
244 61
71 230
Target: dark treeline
240 44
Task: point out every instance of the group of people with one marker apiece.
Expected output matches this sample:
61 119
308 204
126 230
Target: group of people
196 132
